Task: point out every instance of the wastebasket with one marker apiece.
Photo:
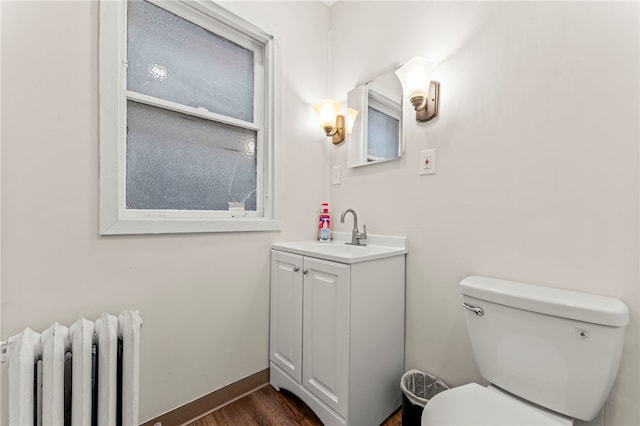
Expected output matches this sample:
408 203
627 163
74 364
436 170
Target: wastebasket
417 389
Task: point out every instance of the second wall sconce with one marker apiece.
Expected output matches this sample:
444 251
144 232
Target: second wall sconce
332 121
422 92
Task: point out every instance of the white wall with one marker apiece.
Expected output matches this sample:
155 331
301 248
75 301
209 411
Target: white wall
203 298
537 173
534 181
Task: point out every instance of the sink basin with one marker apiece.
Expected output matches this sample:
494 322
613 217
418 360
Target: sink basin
378 247
342 249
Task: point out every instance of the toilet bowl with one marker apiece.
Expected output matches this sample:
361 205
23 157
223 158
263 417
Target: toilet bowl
477 405
526 339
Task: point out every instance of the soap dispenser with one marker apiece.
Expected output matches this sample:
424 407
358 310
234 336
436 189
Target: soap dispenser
325 235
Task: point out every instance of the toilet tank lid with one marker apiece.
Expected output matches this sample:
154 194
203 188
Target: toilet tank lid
547 300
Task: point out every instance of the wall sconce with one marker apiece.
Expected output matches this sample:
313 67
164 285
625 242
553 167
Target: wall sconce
331 120
415 77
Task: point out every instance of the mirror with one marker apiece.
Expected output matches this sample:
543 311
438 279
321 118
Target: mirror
376 135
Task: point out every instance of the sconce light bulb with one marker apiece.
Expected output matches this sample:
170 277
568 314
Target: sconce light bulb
415 76
327 110
331 121
417 82
423 93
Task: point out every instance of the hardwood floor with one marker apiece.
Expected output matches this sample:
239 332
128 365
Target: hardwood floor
267 407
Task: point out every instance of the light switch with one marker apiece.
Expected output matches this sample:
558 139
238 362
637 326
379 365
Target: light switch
336 173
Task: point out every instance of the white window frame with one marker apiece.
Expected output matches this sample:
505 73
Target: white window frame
115 218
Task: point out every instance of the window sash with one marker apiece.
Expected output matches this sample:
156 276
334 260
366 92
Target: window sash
172 58
115 218
179 162
201 113
184 109
187 13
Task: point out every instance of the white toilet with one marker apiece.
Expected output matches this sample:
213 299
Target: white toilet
550 355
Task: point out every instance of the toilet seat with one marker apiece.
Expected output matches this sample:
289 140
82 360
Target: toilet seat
476 405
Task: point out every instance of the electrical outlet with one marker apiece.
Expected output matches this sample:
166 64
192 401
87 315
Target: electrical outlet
427 161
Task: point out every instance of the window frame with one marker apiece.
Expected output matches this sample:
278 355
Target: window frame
115 218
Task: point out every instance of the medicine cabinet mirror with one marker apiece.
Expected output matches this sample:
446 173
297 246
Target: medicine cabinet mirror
376 135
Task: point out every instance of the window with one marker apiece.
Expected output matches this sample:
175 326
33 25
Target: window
187 119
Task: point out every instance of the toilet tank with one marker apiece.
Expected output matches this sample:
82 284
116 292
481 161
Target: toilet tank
557 348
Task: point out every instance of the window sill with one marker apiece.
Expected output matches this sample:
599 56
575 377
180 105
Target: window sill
175 226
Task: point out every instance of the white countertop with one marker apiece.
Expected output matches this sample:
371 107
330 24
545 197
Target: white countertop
378 247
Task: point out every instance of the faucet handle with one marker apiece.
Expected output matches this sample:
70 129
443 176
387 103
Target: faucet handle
364 230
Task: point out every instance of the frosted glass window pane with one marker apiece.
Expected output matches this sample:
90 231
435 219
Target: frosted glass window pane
171 58
382 135
179 162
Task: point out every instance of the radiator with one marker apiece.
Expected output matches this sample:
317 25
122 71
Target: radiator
86 374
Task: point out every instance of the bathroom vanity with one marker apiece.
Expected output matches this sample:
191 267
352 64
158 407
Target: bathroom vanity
337 326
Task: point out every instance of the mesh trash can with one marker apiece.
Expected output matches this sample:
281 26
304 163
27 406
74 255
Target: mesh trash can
417 389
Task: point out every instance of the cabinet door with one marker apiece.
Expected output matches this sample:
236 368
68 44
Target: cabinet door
326 332
285 339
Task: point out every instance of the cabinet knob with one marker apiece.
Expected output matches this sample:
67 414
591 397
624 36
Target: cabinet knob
305 271
296 269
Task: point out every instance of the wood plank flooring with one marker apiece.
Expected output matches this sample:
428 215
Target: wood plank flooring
267 407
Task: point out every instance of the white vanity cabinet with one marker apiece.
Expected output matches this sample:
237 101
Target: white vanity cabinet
337 334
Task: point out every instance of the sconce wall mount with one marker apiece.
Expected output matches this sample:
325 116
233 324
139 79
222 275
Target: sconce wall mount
426 107
331 121
336 132
423 93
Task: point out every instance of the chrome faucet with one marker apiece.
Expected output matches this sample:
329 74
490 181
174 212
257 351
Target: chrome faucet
357 238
